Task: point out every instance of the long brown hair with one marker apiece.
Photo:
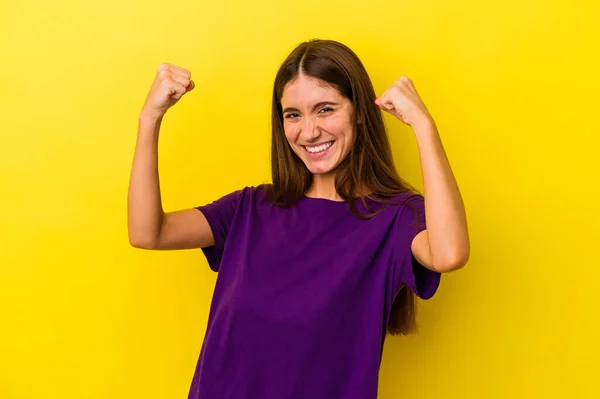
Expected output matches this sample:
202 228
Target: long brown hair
368 168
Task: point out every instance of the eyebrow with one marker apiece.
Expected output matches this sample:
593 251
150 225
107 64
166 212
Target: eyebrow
317 105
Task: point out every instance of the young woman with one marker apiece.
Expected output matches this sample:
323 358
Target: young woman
317 267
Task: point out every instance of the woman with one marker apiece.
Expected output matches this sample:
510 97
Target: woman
315 268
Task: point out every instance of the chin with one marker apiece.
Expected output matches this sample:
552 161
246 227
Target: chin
321 166
320 170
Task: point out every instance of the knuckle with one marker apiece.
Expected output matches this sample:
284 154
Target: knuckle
163 74
166 81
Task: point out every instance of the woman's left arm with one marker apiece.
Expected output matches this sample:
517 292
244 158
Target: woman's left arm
444 245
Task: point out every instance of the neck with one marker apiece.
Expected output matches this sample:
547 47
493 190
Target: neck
323 186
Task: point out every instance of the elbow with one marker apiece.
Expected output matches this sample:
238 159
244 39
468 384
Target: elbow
452 263
141 242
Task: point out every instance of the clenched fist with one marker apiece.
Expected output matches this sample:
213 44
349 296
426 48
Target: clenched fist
403 101
170 84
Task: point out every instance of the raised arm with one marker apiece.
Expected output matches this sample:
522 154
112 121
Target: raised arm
149 227
445 245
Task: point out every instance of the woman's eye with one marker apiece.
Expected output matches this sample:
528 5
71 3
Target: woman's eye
326 109
291 116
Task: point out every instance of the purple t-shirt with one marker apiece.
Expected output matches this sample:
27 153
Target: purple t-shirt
303 296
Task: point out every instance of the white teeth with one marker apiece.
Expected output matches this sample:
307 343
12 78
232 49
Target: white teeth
321 148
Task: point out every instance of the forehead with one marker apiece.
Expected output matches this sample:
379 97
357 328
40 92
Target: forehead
306 91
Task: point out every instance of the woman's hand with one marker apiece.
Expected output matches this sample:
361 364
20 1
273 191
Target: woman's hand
170 84
403 101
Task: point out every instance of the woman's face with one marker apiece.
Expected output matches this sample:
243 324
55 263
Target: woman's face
317 121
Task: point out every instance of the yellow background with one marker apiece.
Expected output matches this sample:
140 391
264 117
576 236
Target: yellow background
513 86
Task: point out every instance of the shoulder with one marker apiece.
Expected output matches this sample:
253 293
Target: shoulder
390 207
249 194
406 200
233 199
410 213
406 209
259 191
249 191
408 197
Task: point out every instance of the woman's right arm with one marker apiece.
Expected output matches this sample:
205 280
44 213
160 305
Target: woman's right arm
149 227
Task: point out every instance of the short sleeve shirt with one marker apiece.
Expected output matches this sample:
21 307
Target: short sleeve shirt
303 295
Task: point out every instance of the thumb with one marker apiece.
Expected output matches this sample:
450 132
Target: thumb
383 106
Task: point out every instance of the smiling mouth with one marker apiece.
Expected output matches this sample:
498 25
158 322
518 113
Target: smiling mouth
317 149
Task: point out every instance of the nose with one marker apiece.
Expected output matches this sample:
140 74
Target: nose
310 130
